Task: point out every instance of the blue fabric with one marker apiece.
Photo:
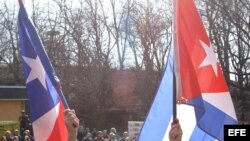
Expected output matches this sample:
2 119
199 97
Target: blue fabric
41 99
210 118
200 135
160 113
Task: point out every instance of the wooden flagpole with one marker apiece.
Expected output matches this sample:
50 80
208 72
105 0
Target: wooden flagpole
175 45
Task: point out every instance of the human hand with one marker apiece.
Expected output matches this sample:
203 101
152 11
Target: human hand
72 123
175 133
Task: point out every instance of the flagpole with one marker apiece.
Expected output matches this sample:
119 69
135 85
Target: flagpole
175 45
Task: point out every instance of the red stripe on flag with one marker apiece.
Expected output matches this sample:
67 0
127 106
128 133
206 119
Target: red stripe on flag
191 32
59 132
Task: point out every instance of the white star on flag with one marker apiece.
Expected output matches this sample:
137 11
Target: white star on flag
37 70
210 59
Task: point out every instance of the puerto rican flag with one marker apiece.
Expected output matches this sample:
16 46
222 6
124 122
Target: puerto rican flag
42 84
206 102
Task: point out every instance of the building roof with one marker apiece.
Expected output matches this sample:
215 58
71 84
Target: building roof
13 93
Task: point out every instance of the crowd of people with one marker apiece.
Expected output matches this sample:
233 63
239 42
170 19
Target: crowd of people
72 123
25 133
102 135
15 136
78 134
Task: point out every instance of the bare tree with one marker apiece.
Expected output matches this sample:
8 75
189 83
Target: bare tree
154 31
150 37
229 31
86 30
9 52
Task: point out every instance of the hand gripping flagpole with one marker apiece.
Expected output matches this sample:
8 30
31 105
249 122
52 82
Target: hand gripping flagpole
175 45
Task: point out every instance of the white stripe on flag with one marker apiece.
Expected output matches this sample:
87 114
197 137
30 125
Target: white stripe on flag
222 101
44 125
186 116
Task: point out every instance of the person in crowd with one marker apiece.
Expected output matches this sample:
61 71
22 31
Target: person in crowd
127 139
8 135
124 136
94 133
27 133
81 132
17 134
99 136
3 138
86 131
15 138
27 138
113 130
113 135
105 135
87 137
24 121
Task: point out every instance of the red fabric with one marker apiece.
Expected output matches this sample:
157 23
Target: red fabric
191 32
59 132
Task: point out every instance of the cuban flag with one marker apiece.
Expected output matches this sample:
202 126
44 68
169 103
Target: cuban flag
201 88
42 84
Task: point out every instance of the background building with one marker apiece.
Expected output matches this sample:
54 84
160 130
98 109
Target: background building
13 99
